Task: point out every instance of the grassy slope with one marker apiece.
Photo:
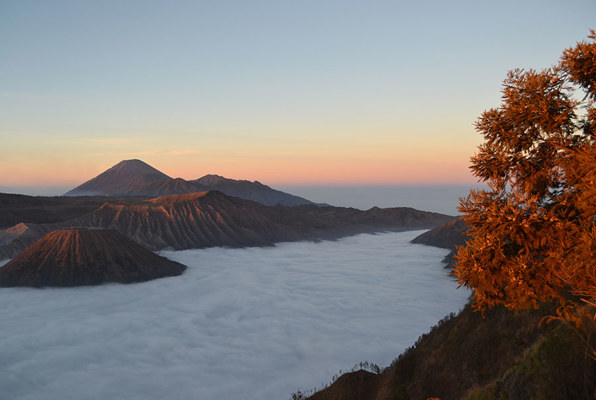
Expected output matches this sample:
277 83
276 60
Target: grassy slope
501 356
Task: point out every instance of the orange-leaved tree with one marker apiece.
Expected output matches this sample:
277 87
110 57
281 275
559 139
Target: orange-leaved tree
533 231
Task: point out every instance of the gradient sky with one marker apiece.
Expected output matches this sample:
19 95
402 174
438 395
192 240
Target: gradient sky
284 92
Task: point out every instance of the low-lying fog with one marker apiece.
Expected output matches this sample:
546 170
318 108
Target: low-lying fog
257 323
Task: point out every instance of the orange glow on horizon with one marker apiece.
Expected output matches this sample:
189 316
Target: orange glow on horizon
337 172
383 152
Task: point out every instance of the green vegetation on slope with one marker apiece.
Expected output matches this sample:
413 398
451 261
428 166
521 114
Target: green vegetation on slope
501 356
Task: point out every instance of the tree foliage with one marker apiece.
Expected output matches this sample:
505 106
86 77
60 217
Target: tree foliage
533 231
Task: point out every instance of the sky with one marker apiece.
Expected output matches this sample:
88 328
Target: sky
285 92
254 323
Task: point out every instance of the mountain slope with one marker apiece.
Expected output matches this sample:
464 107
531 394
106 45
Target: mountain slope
74 257
254 191
446 236
17 208
496 356
499 356
122 178
191 221
210 219
173 186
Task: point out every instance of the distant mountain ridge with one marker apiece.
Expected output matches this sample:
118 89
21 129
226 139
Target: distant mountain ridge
137 178
447 236
209 219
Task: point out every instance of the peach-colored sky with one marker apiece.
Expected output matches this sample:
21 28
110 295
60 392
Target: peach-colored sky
334 92
336 156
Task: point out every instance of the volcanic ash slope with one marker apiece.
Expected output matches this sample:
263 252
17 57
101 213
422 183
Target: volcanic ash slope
78 257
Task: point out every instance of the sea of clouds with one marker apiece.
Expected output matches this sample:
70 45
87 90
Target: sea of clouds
255 323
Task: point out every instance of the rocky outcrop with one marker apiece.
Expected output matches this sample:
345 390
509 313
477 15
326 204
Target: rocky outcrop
77 257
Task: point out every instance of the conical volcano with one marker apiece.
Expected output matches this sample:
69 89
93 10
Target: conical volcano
123 178
78 257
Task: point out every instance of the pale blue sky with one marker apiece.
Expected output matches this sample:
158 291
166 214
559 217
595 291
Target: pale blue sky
279 91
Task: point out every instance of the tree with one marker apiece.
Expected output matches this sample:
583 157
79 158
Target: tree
533 231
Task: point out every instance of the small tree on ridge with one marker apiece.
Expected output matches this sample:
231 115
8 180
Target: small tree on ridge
533 231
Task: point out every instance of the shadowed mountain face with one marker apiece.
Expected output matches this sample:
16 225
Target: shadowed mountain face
136 178
173 186
254 191
211 219
19 208
75 257
446 236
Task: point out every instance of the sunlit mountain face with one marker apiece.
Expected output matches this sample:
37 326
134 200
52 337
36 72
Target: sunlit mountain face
84 256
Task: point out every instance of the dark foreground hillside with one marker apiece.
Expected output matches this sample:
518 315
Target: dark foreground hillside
502 356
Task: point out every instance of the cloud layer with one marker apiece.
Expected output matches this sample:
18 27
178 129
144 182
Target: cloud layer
256 323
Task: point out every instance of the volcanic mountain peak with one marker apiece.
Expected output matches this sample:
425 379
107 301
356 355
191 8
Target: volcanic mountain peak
75 257
136 178
122 178
131 169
